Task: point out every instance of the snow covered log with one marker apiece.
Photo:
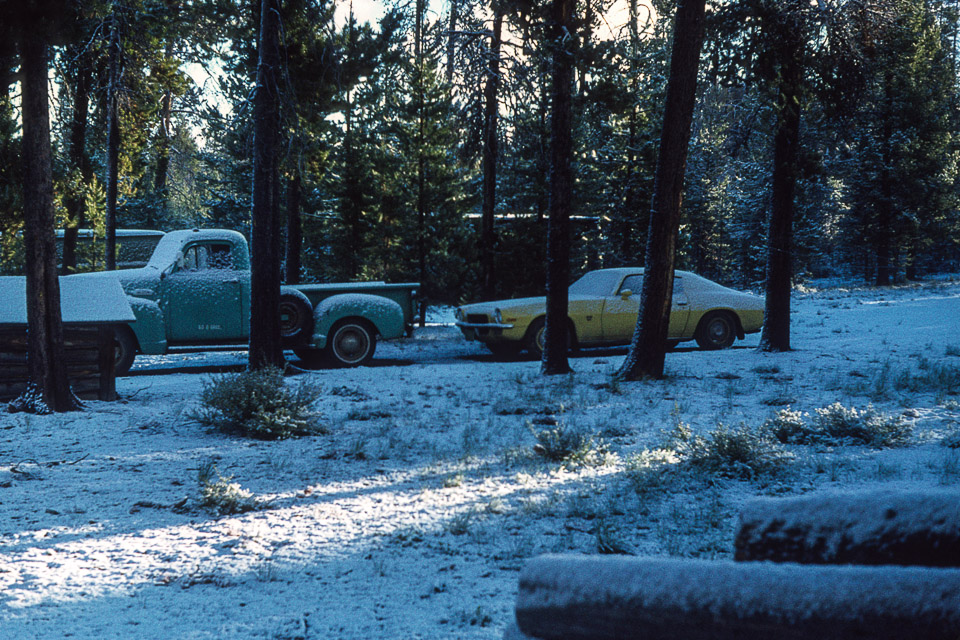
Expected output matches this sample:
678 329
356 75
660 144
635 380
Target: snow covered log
870 528
602 597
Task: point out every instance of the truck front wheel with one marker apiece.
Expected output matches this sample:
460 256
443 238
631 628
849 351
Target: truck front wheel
352 343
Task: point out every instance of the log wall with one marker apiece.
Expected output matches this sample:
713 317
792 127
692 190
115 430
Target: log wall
89 354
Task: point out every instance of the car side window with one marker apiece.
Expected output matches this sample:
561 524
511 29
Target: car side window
632 283
677 287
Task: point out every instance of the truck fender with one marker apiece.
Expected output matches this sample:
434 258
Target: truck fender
384 314
149 327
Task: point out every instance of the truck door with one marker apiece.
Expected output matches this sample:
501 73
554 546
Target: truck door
202 296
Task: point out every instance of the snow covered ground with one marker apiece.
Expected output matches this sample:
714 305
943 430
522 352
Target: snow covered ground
412 517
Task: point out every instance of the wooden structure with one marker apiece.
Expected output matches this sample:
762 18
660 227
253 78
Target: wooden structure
91 306
606 598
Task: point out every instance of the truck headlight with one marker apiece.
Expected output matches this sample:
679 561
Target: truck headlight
497 316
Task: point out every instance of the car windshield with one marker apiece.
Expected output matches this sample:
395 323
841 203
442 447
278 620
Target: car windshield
595 283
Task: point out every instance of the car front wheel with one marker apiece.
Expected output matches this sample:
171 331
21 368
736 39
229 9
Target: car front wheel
717 330
352 343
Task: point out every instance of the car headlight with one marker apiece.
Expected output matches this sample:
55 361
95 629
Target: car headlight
458 314
497 316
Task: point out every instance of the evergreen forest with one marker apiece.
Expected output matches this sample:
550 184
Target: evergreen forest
415 145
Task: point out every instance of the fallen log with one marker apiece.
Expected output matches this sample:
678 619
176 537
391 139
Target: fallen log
869 528
603 598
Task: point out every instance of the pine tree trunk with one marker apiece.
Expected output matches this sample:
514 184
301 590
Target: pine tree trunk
265 348
79 162
294 228
113 143
561 190
647 353
421 7
451 40
776 315
490 151
46 363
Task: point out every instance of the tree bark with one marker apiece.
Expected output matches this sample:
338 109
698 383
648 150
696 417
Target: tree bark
647 353
451 40
561 190
294 228
265 347
420 8
46 363
113 143
79 162
775 335
490 151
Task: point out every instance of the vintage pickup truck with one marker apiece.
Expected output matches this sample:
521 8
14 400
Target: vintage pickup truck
195 291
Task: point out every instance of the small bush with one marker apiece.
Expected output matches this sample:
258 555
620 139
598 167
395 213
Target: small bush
840 425
571 446
221 496
787 426
257 404
740 452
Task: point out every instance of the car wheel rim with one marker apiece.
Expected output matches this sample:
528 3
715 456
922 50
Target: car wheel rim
351 344
719 331
541 334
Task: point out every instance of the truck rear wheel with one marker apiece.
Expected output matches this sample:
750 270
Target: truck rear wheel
125 348
352 343
296 318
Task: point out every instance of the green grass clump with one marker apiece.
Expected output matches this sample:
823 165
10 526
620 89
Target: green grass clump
740 453
221 496
258 404
571 446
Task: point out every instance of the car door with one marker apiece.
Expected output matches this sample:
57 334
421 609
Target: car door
620 310
202 296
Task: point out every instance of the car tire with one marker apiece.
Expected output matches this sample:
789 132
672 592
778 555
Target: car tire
311 357
717 330
125 348
352 343
535 337
296 319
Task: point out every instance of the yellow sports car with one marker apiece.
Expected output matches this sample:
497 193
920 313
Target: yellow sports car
603 311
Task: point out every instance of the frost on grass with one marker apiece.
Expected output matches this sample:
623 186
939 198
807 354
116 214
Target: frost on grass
259 405
30 401
836 425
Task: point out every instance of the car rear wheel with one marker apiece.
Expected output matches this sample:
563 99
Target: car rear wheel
352 343
717 330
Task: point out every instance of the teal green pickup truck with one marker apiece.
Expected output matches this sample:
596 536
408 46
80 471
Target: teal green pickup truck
195 291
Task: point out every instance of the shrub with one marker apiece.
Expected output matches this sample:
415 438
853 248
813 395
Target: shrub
787 426
221 496
258 404
568 445
740 452
839 425
952 441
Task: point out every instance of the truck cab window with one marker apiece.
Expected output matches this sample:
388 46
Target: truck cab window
201 257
